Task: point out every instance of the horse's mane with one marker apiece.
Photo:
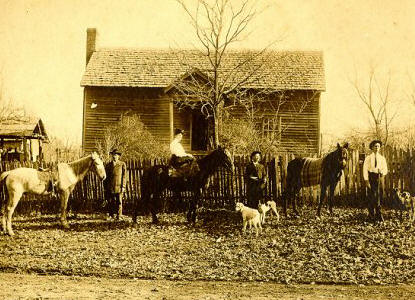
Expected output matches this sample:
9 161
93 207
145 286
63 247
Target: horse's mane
330 160
81 164
206 162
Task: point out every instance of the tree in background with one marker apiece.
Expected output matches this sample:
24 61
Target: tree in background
131 137
10 112
241 137
218 25
61 149
376 95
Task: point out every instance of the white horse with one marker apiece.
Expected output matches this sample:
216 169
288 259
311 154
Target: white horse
28 180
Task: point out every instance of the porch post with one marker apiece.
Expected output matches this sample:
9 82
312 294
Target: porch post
171 119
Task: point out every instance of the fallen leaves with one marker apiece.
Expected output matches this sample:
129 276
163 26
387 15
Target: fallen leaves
342 249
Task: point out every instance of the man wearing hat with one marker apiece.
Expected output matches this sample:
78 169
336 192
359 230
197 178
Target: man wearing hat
256 178
181 161
374 170
115 183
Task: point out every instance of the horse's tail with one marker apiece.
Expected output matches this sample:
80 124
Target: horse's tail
3 177
142 202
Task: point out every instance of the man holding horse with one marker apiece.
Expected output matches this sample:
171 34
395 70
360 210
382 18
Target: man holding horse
115 184
374 170
256 178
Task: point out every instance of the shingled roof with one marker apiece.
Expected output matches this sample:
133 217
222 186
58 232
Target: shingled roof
23 129
288 70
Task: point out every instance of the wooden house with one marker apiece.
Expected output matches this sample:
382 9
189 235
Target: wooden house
22 141
117 80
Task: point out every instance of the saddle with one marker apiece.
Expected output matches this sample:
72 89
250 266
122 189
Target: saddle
183 167
50 177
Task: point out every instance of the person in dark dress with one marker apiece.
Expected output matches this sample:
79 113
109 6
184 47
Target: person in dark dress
256 178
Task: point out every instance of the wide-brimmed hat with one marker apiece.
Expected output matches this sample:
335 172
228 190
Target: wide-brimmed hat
372 143
255 152
115 151
178 131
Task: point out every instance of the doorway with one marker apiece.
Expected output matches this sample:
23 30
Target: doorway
199 132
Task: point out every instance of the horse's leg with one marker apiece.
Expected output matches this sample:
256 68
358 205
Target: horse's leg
191 214
331 196
197 196
285 198
3 218
154 206
294 200
3 215
64 196
323 188
14 198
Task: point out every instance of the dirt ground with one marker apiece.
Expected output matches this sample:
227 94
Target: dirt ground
28 286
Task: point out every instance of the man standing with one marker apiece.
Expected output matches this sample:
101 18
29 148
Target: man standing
256 179
115 183
374 171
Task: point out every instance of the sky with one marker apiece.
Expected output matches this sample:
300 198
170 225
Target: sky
42 49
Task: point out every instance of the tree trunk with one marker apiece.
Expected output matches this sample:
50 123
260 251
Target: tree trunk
216 117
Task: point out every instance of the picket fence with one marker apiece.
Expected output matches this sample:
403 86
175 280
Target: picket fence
226 188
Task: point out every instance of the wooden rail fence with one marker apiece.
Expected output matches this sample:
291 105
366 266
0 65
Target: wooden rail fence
226 188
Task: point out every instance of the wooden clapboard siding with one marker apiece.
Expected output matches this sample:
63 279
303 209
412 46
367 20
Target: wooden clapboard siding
151 104
300 130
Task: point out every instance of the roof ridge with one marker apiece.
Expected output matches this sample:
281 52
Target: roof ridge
231 50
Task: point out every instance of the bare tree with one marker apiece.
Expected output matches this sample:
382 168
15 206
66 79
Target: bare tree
61 149
376 95
209 81
131 137
10 112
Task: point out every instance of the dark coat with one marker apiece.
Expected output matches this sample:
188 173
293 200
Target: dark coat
116 179
255 187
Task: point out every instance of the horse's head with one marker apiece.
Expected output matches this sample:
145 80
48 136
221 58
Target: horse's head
225 158
342 155
98 166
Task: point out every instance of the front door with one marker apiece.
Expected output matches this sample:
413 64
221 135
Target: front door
199 132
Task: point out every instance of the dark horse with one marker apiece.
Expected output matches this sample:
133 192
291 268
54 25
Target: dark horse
156 179
305 172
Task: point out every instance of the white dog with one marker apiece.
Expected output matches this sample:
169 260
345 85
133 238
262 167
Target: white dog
403 201
250 217
263 208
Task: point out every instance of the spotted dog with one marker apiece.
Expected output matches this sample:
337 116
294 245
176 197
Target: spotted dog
264 208
403 201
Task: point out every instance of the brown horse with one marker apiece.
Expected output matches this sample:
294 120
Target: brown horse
28 180
305 172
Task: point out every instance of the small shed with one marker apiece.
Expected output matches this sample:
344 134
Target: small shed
22 141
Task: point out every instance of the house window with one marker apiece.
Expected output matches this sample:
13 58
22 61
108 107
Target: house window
271 127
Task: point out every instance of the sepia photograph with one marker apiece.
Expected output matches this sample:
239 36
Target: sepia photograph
207 149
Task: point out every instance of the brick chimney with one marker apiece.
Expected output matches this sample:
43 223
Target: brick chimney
91 35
